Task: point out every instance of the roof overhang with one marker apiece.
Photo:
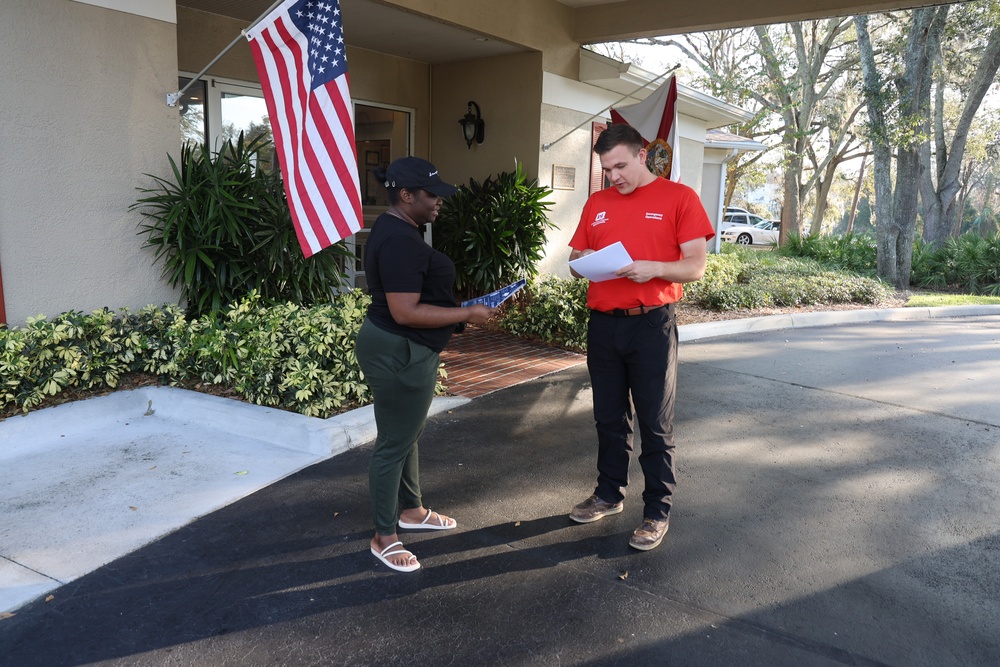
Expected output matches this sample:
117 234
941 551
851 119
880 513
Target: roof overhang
729 141
411 29
608 21
636 83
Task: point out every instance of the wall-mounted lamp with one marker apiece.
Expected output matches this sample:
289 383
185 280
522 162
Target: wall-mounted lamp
473 126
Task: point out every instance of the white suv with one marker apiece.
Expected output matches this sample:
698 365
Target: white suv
739 216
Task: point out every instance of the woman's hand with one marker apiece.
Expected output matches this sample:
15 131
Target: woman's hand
406 309
480 314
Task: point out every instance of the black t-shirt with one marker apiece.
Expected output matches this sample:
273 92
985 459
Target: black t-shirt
397 259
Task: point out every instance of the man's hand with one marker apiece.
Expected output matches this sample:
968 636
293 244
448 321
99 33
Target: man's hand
577 254
641 271
689 268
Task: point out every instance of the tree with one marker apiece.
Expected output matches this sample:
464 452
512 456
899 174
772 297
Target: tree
786 72
842 145
726 66
896 126
812 63
944 173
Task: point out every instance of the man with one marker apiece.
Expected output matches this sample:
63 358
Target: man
632 333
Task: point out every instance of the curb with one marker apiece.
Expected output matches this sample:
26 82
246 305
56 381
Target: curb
826 318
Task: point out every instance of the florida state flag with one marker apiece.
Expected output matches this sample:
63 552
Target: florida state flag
656 120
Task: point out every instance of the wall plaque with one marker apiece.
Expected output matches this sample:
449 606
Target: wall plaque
563 178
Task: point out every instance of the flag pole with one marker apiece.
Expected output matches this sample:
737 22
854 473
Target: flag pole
173 98
547 146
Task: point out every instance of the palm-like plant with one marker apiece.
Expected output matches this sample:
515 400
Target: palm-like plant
494 231
222 228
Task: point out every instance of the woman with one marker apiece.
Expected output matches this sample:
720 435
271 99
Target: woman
410 319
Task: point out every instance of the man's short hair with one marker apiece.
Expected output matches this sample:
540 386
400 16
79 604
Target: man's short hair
617 135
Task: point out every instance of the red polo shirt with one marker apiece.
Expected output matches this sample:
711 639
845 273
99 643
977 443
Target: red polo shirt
651 222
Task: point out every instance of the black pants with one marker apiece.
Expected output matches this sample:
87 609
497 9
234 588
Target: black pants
633 362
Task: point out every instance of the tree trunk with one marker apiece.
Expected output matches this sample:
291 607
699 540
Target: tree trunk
822 194
940 205
958 209
986 230
914 88
886 231
857 196
790 188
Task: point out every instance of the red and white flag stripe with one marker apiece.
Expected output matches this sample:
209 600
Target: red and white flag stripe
305 83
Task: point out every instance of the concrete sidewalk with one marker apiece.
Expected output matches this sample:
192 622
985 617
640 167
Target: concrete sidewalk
87 482
837 506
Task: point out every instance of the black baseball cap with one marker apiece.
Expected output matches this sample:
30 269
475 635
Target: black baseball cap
414 173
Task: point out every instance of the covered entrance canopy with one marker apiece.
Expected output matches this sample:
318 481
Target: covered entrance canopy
412 29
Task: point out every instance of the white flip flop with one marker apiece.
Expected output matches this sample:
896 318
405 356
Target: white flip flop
423 525
385 553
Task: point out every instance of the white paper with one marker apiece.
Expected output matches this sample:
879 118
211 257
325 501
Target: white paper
601 265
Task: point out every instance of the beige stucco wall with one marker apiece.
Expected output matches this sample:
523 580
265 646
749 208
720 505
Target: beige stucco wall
573 151
82 93
508 90
545 26
692 158
376 77
202 36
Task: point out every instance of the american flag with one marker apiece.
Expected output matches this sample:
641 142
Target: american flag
302 63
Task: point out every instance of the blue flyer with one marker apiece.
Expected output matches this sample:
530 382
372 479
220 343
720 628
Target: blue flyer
494 299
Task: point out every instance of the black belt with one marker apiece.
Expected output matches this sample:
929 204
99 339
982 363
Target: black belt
638 310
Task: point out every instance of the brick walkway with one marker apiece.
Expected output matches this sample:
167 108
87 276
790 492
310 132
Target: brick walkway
479 362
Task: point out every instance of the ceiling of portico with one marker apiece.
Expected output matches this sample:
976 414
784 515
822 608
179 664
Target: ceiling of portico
380 25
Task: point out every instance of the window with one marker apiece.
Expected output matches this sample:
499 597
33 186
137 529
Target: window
381 134
215 110
244 111
192 110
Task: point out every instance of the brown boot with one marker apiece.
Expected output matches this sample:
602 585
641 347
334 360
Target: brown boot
592 509
649 534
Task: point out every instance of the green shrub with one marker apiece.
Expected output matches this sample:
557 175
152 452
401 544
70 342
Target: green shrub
494 231
736 297
221 227
851 252
72 350
747 279
552 310
721 271
285 355
970 263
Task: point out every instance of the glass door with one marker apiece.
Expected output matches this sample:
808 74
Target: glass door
382 134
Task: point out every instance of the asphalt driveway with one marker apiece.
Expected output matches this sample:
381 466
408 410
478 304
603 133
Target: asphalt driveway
838 502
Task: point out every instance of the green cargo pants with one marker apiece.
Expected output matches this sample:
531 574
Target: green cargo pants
402 375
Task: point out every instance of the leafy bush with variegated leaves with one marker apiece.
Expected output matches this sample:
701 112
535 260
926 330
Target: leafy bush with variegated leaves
284 355
550 309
